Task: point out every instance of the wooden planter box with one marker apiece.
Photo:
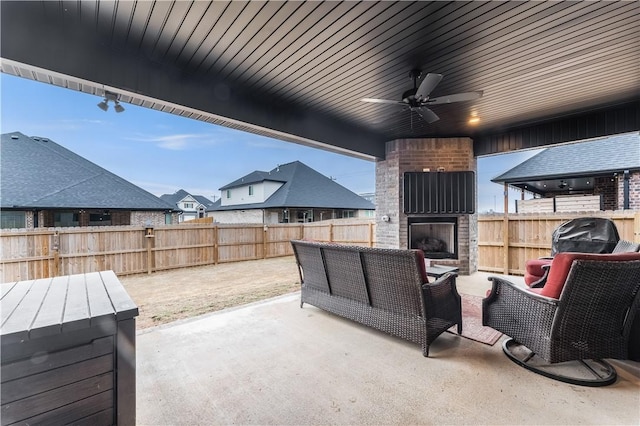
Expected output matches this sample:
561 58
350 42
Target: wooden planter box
68 351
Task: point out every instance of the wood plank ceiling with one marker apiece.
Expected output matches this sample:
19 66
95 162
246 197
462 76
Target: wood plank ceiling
298 70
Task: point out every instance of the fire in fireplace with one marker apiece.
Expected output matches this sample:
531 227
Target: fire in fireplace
437 237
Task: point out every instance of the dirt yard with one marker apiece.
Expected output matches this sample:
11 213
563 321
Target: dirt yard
163 297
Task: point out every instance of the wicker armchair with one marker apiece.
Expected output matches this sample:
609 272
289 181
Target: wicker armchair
583 314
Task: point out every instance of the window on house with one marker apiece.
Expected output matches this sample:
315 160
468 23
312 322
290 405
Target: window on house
167 218
10 219
348 213
188 205
63 219
100 219
250 189
228 193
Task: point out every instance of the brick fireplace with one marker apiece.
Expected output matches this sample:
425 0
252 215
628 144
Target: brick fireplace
447 236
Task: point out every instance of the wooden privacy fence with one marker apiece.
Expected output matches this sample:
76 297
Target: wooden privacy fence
505 244
42 253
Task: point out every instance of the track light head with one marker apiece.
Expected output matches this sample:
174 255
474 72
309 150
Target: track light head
113 97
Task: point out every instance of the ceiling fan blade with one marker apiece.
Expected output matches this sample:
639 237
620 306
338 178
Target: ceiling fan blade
381 101
458 97
429 82
427 115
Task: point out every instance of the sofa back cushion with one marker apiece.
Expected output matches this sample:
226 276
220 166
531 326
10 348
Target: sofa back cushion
422 268
394 280
561 265
344 271
309 257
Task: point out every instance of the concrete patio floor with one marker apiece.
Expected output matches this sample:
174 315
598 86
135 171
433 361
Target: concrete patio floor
272 363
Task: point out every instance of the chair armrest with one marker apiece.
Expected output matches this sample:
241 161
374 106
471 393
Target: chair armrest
445 284
441 297
543 280
501 285
518 312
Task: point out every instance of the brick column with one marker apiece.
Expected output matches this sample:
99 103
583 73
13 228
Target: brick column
418 155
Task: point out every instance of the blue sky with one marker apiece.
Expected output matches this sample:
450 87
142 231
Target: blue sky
163 153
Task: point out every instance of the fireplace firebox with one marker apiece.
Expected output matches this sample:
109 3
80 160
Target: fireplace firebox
437 237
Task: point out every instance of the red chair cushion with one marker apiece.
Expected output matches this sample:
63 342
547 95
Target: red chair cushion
530 279
421 265
534 266
561 265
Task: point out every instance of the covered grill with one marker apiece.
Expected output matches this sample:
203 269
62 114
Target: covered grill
585 235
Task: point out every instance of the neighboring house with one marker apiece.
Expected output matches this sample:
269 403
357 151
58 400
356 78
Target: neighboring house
599 174
43 185
192 206
291 192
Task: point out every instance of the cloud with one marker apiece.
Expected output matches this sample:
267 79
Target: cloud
177 142
66 125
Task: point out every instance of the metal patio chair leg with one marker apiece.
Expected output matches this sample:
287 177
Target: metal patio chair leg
593 372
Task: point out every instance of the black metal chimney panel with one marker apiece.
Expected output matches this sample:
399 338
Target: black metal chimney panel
439 192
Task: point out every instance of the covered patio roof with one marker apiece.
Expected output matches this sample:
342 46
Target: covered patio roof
297 71
573 167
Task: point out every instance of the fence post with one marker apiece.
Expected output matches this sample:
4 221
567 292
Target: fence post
56 254
148 234
370 234
45 253
636 227
215 245
264 241
505 231
331 232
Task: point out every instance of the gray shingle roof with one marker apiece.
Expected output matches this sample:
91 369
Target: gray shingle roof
598 156
251 178
175 197
38 173
303 187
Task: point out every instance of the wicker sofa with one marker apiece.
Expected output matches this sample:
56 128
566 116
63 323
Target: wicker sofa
386 289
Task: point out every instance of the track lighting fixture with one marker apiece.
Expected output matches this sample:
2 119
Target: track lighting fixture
109 96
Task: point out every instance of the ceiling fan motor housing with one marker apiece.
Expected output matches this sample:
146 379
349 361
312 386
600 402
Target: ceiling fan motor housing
409 96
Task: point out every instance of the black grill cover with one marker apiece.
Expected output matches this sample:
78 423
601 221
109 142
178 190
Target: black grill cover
585 235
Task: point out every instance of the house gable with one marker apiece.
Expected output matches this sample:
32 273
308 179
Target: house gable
188 203
253 193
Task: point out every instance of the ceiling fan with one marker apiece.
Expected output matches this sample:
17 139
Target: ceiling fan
418 99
